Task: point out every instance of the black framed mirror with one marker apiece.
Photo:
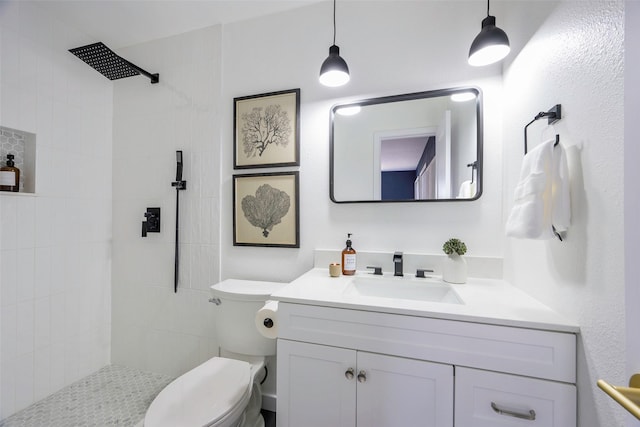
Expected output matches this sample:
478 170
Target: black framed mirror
416 147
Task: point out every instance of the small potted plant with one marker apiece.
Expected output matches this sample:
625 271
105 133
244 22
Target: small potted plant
454 269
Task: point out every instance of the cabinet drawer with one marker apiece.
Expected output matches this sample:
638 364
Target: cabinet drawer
521 351
490 399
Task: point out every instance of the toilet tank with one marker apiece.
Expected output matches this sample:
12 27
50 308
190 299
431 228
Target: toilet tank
239 300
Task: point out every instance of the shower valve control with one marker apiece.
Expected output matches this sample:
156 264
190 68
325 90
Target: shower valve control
151 222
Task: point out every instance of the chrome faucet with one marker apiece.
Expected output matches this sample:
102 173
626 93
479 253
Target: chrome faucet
397 264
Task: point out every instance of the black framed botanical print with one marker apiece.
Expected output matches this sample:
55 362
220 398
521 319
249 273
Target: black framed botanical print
266 209
266 130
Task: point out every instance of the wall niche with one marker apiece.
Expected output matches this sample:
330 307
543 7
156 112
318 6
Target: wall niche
23 146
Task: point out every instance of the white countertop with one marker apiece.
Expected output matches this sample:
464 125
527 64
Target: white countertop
487 301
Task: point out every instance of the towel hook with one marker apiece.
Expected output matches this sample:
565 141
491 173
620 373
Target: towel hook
473 166
553 115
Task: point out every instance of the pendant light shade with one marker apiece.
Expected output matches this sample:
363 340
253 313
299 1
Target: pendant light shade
334 70
490 45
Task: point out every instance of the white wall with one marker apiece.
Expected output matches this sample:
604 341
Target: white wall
153 328
55 245
631 178
390 50
576 59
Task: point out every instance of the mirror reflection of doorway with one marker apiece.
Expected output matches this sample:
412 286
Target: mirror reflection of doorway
424 187
413 164
402 162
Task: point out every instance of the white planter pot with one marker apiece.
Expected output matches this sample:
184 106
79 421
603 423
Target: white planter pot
454 269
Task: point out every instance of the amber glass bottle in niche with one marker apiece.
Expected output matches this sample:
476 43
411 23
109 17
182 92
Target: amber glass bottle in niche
10 176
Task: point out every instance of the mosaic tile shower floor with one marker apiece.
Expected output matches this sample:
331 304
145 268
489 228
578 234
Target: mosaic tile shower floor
113 396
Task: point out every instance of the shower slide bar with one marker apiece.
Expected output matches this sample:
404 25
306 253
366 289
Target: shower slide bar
180 185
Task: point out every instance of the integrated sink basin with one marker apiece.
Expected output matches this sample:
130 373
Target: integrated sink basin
402 288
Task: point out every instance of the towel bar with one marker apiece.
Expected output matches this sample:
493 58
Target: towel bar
553 115
627 397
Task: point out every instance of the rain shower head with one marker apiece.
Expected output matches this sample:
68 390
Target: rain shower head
108 63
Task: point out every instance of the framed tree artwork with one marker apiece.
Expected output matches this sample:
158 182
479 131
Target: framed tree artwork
266 130
266 210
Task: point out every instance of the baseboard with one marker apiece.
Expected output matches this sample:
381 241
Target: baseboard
269 402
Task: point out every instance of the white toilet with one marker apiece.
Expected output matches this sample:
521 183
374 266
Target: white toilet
223 391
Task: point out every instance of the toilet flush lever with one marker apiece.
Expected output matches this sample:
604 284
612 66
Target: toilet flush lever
216 301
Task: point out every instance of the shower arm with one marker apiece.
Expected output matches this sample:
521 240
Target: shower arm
155 78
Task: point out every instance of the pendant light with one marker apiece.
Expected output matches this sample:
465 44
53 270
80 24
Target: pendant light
490 45
334 71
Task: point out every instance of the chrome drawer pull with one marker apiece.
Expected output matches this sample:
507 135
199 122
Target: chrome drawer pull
530 416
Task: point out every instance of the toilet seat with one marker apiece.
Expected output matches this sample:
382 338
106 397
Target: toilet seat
212 394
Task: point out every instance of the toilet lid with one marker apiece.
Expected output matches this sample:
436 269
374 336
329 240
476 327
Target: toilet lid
203 395
245 290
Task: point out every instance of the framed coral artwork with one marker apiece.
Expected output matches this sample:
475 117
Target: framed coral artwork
266 130
266 210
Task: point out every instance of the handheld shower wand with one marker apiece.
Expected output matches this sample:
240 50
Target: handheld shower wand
180 185
179 168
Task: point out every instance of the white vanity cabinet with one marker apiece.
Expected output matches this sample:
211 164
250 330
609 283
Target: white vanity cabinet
410 367
323 386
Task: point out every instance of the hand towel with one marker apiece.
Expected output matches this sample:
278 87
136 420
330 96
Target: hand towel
560 196
467 190
542 195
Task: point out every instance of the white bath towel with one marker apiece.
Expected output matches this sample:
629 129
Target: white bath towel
561 197
542 195
467 190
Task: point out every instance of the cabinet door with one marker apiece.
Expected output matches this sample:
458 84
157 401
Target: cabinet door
314 386
491 399
394 391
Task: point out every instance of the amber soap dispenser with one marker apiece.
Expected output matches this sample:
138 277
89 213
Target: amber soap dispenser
349 258
10 176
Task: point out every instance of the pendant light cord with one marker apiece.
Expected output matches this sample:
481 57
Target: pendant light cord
488 14
334 22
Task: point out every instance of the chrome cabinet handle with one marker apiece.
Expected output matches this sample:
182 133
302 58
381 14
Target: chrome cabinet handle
529 416
349 373
362 376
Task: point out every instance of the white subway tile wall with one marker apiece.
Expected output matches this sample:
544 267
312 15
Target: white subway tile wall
55 244
154 328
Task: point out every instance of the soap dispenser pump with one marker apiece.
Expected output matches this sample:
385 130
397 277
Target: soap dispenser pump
349 258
